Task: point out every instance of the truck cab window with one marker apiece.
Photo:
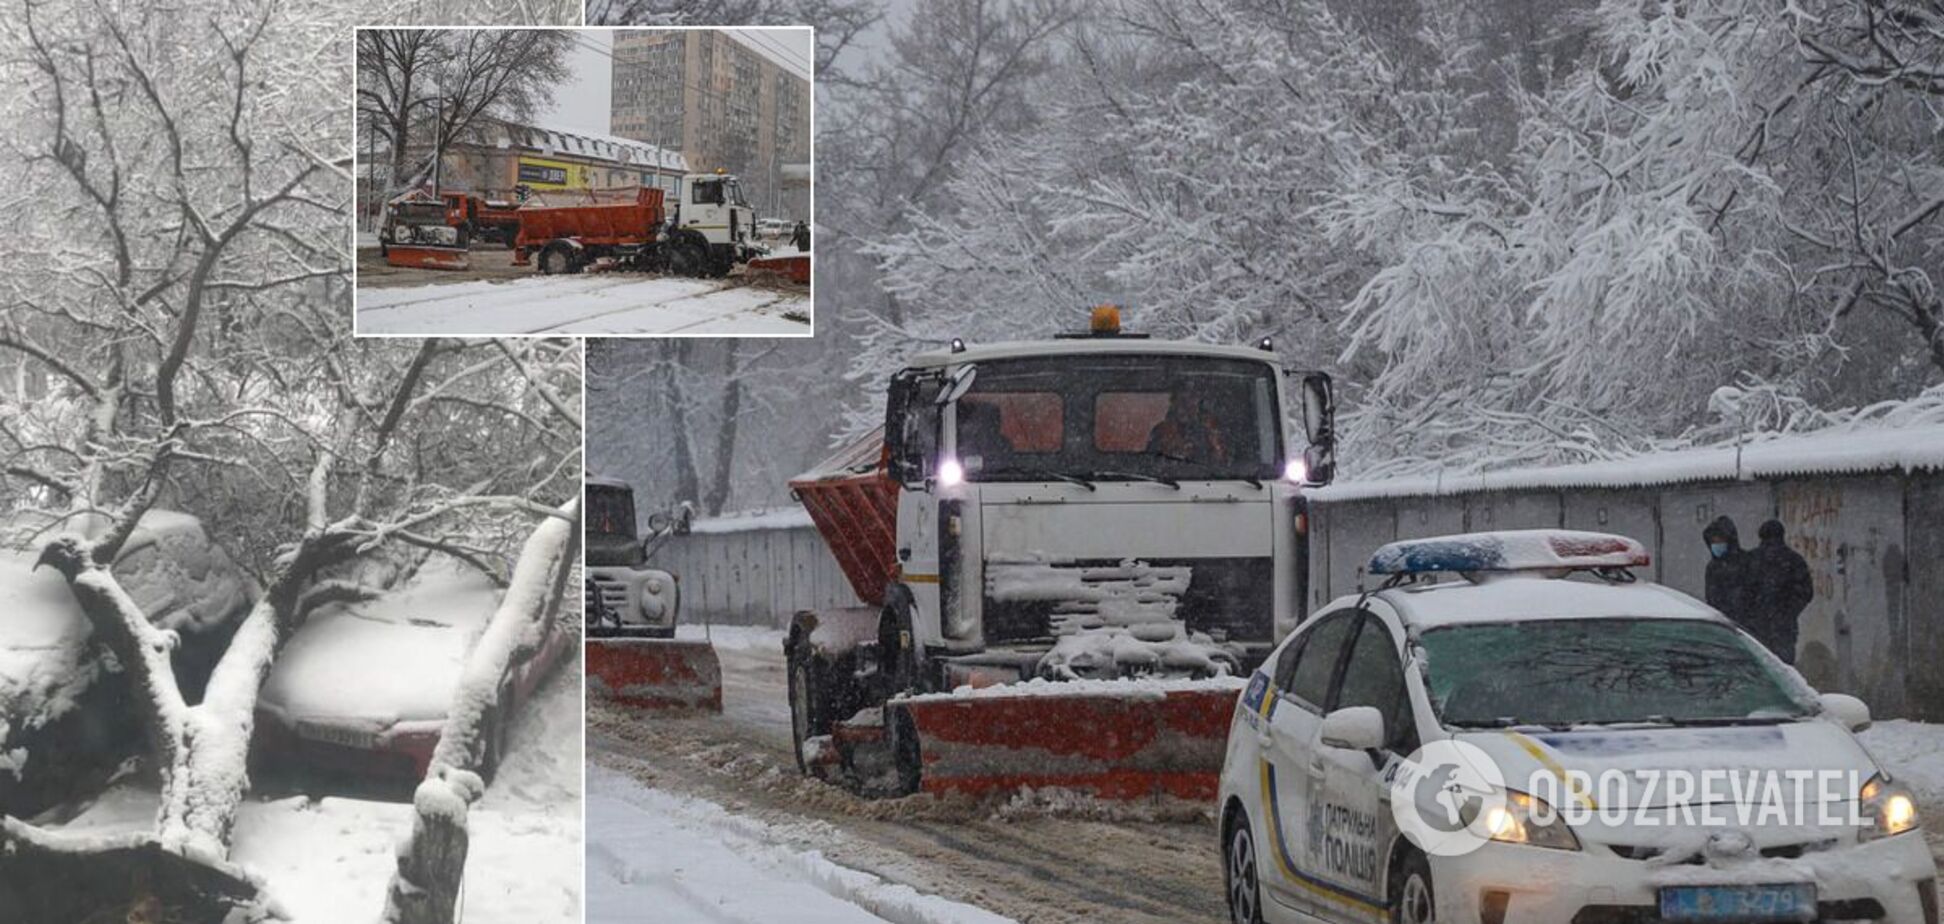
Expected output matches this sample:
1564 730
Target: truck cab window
706 192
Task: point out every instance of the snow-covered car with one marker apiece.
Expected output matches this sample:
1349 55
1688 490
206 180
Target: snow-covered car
366 686
63 719
1512 746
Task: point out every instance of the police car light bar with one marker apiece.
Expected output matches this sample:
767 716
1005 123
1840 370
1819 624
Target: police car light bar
1510 550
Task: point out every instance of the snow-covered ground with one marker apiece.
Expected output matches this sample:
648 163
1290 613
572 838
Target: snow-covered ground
599 303
328 858
693 860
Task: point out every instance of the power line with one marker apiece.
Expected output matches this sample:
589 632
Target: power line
791 59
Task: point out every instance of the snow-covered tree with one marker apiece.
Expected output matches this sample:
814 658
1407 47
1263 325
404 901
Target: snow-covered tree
176 314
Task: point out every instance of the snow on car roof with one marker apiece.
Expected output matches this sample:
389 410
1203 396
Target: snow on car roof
1085 345
1529 596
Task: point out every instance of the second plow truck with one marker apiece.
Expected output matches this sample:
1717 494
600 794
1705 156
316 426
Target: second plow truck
633 656
1071 551
709 230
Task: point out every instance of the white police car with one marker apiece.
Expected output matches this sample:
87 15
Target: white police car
1549 741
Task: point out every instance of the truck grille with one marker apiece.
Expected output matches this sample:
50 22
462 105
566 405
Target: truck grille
613 595
1231 599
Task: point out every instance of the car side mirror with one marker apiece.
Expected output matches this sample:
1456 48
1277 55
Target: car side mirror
1852 713
1354 728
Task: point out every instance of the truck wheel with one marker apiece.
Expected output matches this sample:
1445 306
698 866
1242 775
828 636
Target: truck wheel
686 259
809 709
558 259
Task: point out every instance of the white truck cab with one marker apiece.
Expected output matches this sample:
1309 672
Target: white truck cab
624 595
712 211
1097 506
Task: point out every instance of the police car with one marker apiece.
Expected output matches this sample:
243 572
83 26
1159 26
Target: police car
1514 729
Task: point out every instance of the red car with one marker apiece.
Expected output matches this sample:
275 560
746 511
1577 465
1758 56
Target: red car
366 687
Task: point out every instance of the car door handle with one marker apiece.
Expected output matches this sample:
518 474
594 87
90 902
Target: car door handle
1265 739
1316 767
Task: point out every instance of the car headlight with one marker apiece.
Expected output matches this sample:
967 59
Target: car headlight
653 585
1887 806
1513 822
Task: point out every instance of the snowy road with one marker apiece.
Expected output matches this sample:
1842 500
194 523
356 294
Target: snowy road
1024 860
602 303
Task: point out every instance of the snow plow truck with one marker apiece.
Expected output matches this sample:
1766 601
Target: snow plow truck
633 656
1070 552
709 231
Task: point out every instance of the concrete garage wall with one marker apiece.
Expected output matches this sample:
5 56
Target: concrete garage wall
1874 543
754 577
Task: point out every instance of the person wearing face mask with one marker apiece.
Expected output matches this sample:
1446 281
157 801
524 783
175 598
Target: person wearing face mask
1728 587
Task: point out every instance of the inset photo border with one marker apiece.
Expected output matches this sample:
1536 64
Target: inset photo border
595 181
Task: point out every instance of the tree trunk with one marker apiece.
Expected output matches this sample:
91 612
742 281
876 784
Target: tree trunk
687 481
432 866
725 449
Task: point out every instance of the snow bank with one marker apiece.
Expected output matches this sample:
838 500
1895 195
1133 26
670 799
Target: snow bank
749 521
1837 450
694 861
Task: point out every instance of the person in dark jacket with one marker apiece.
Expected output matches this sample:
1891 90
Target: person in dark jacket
1728 586
1779 590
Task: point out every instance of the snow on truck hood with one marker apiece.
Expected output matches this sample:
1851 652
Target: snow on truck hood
396 658
1807 745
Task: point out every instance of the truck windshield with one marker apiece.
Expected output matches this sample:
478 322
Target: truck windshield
1569 672
1120 417
610 511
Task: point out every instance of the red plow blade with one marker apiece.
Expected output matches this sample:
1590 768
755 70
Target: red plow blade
445 258
1121 747
655 673
794 267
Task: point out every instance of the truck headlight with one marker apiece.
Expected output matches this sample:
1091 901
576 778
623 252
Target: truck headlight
1888 807
1513 822
653 585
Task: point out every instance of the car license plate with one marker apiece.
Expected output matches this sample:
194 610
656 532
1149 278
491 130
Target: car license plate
1792 901
338 735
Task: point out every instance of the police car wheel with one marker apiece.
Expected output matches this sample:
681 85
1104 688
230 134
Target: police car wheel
1412 900
1244 895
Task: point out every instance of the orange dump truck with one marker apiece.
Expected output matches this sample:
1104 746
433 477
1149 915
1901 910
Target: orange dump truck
635 234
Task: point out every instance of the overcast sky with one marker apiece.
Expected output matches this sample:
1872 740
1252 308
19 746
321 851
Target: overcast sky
582 103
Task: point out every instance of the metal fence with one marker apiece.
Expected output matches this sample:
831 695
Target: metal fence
754 577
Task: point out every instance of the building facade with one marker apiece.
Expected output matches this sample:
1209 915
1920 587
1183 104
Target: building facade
721 105
517 162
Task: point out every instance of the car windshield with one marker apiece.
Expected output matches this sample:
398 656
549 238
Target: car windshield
610 511
1120 417
1600 671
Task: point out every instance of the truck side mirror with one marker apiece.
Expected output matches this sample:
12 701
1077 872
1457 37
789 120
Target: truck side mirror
1319 426
684 518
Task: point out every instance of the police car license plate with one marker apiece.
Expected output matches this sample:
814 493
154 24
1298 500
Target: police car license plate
338 735
1792 901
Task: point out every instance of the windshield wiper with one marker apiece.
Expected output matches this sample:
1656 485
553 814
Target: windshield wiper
1504 721
1253 481
1137 476
1046 473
